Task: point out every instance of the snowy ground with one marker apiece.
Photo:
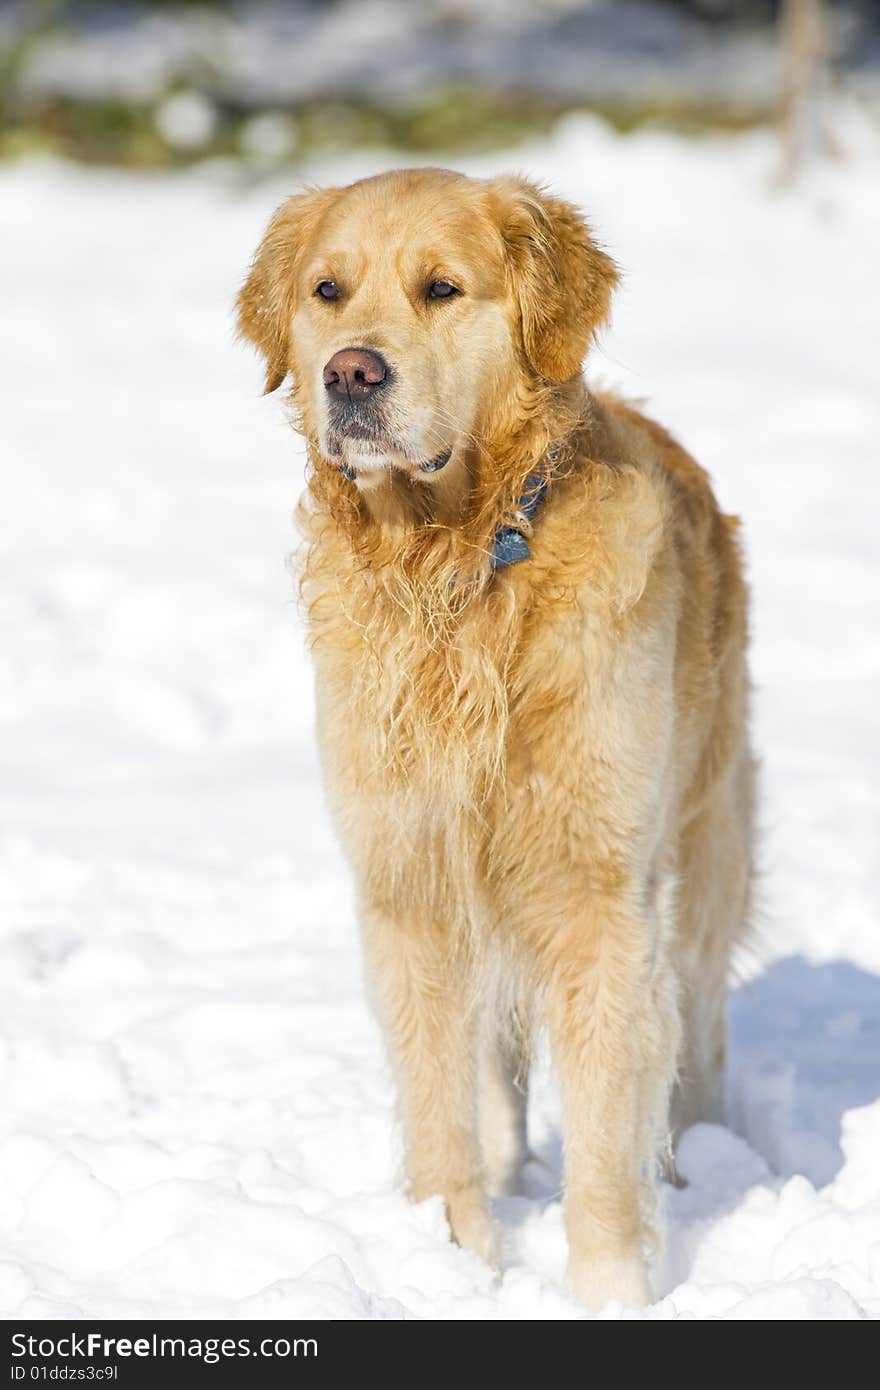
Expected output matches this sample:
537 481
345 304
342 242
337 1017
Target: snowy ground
196 1117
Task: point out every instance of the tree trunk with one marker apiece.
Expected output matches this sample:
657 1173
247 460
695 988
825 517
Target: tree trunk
805 36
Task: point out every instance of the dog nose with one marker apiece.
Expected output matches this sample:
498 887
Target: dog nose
355 372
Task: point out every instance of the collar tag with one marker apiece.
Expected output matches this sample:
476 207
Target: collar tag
510 544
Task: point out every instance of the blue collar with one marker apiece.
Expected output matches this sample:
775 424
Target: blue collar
510 545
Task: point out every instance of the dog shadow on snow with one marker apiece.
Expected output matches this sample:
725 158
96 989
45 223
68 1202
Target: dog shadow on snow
804 1049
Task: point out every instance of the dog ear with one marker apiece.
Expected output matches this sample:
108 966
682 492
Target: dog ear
562 280
267 299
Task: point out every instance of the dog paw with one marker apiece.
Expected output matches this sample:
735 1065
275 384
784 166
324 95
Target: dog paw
597 1282
471 1225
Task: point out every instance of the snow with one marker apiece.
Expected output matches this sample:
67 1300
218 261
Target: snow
197 1116
187 120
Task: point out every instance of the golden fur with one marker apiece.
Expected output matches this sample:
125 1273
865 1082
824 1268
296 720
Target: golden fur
541 777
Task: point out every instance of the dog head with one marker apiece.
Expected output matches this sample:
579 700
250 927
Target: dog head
413 308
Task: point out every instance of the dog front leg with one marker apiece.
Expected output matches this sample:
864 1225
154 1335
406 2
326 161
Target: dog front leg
611 1019
419 988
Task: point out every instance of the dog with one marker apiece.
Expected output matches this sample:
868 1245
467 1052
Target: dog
528 620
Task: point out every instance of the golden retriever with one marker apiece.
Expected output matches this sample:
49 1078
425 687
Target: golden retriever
528 619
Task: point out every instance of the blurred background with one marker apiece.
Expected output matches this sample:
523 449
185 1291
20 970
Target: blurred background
161 83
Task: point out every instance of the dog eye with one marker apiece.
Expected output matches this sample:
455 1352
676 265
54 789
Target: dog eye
328 289
441 289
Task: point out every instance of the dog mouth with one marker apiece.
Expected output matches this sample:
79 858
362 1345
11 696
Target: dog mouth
435 464
353 432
